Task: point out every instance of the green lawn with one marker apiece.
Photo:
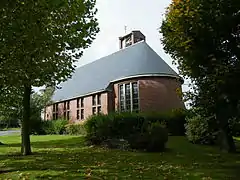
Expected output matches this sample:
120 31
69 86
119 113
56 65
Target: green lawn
7 129
66 157
237 138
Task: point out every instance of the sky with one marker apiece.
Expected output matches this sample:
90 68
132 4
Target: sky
114 15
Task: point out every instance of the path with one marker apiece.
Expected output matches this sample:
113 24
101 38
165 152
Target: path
8 132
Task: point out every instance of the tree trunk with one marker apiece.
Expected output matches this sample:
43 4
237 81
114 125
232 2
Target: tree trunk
225 138
226 141
26 146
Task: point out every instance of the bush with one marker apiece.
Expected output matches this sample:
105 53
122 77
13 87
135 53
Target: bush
75 129
152 140
36 126
235 126
198 130
9 122
47 127
59 126
157 137
98 128
139 130
117 125
40 127
175 122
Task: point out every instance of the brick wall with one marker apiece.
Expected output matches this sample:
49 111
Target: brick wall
155 93
159 94
73 108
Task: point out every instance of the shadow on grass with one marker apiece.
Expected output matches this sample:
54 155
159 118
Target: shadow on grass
71 159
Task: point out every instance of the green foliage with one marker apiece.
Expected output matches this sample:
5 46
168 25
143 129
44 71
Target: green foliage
140 130
235 127
157 137
203 39
99 128
8 122
46 39
75 129
174 120
40 41
153 139
198 130
40 127
59 126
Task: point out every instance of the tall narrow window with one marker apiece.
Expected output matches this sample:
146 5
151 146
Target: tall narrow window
66 110
80 108
135 96
78 102
94 100
99 109
94 110
129 97
64 105
54 108
82 102
55 111
122 97
82 113
68 105
78 114
99 99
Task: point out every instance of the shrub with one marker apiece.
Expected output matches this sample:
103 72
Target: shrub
40 127
140 131
98 128
75 129
36 126
175 122
157 137
235 126
198 130
152 140
59 126
117 125
47 127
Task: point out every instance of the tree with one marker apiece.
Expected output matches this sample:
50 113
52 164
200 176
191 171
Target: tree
10 105
203 37
40 40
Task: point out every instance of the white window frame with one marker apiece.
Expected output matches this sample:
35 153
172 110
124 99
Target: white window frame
124 96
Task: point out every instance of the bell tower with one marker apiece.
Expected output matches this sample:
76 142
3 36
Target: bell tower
130 39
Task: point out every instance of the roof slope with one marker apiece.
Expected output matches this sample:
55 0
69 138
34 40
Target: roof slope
138 59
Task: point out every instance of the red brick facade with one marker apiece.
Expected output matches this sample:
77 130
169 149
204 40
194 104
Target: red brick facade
155 94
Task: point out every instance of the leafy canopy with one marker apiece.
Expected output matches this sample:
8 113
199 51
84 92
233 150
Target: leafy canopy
203 37
40 39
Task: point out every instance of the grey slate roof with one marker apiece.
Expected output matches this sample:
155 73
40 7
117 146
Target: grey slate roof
138 59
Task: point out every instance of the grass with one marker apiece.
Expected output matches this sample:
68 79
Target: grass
237 138
67 157
8 129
